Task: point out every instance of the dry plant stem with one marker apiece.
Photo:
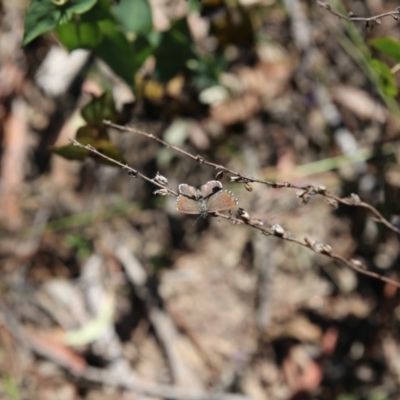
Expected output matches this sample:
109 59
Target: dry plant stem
129 381
316 247
133 171
117 375
308 190
395 14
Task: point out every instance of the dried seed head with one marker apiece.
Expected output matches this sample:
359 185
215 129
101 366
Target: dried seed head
244 215
219 175
355 198
358 263
161 192
161 179
333 203
278 230
327 249
309 242
248 187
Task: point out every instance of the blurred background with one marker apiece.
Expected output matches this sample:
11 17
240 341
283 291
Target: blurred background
107 292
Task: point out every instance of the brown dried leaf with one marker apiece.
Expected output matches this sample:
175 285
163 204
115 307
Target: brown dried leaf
236 110
359 102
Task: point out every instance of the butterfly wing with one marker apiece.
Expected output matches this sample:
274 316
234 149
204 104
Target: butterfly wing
220 201
210 188
187 206
187 190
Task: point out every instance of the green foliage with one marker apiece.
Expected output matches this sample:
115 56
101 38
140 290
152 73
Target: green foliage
390 47
134 16
117 51
79 244
43 15
94 132
174 50
386 78
10 387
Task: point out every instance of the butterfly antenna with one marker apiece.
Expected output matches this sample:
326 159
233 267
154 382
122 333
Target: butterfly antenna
194 223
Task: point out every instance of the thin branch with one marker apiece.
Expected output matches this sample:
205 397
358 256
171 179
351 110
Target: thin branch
243 217
307 191
350 17
315 246
164 188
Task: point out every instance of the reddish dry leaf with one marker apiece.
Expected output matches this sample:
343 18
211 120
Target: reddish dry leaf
301 372
51 346
329 340
12 168
11 80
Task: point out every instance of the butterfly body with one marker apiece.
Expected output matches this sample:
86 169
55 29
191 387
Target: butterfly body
208 199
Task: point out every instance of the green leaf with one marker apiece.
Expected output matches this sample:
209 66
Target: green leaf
117 51
194 5
109 150
88 133
386 80
70 152
134 16
100 108
74 35
44 15
174 51
100 11
390 47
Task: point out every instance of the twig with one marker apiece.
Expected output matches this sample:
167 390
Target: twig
244 218
128 380
351 17
119 374
315 246
307 191
133 172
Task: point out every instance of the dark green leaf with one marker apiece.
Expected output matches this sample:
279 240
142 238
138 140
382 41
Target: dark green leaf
390 47
71 152
116 51
100 108
173 51
386 80
100 11
134 16
108 149
44 15
88 133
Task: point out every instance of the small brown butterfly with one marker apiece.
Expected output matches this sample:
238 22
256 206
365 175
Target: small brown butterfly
208 199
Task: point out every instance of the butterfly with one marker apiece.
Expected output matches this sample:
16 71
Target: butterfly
208 199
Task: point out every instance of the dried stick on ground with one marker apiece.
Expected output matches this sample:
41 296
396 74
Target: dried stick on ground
119 374
163 324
